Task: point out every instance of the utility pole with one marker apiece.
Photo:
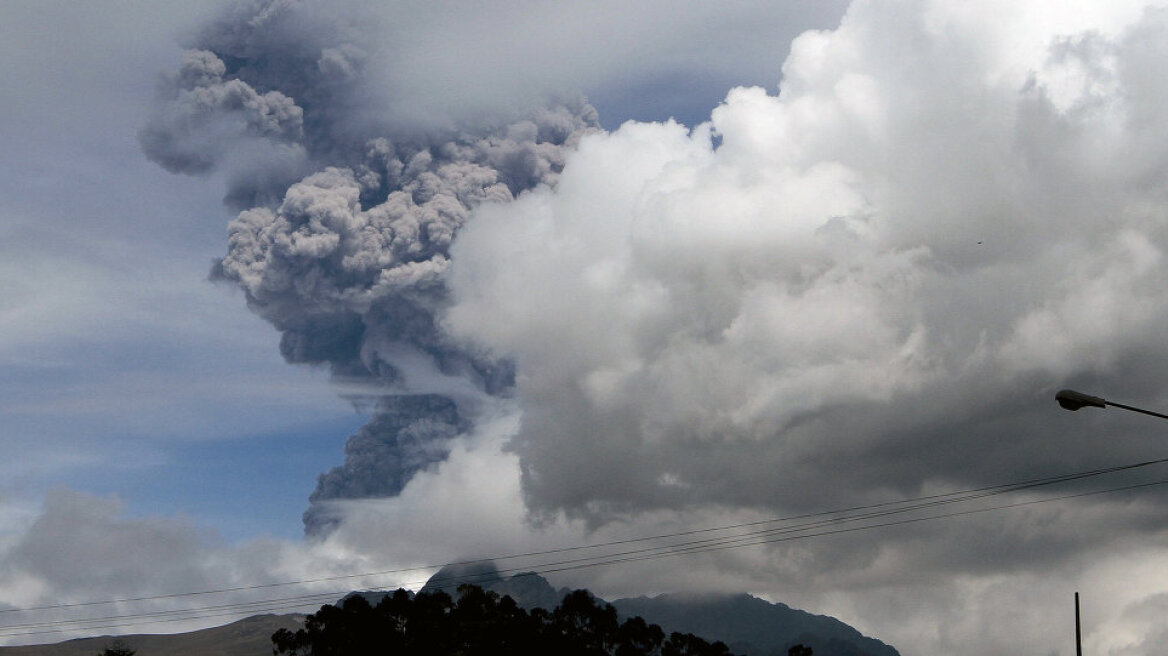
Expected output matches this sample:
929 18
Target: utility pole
1078 629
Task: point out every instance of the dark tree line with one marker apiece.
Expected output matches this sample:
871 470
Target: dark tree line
479 622
117 648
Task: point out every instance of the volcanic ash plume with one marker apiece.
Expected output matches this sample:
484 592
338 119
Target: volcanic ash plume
347 219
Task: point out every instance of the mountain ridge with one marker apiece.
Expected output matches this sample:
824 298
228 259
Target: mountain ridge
752 626
747 624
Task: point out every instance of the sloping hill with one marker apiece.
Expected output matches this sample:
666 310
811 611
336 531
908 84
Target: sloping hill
251 636
749 625
752 626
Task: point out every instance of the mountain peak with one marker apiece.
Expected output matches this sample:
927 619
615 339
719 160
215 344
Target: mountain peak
483 573
528 589
748 624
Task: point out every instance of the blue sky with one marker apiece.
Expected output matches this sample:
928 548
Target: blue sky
123 364
869 290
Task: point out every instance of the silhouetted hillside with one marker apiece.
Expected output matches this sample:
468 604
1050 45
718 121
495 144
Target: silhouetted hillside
247 637
747 624
753 626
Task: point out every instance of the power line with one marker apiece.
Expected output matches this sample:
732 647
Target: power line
133 619
195 615
772 536
940 498
832 522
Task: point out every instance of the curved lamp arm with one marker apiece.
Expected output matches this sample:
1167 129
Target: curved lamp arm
1072 400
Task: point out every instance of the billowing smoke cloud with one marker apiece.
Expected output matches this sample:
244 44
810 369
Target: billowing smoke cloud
208 121
407 435
870 284
348 214
206 110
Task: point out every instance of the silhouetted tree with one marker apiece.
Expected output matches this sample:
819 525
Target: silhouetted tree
639 637
117 648
799 650
481 623
688 644
583 627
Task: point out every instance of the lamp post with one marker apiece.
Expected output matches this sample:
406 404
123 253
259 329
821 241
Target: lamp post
1072 400
1078 629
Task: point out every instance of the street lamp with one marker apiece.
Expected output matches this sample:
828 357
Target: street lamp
1072 400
